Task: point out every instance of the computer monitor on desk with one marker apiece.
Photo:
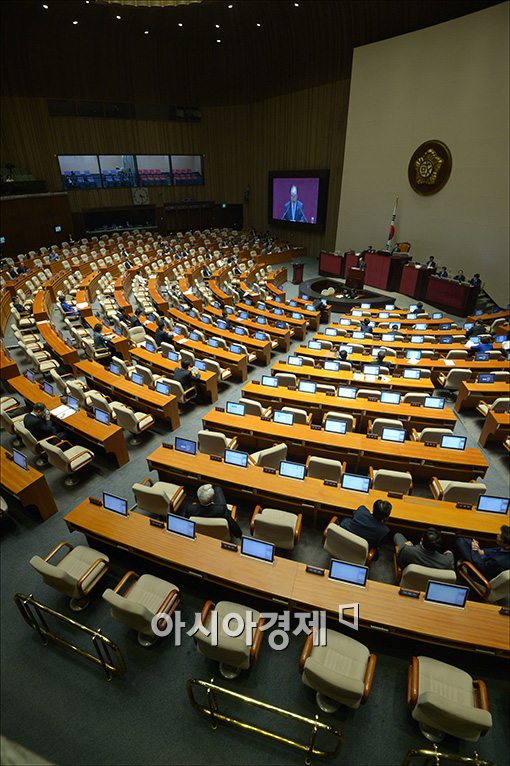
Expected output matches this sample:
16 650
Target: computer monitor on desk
434 402
268 380
235 408
173 356
492 504
19 459
453 442
393 435
347 392
307 387
178 525
48 388
162 388
295 361
352 574
292 470
314 344
233 457
185 445
355 482
446 595
257 549
390 397
335 426
136 378
101 416
283 418
114 503
114 369
331 366
73 403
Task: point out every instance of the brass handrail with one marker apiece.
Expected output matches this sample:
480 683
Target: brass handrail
440 758
213 712
108 654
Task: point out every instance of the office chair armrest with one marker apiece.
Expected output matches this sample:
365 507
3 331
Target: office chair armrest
267 412
128 576
435 488
233 512
257 510
413 677
173 598
396 569
309 419
147 482
96 579
371 555
464 569
307 461
58 548
371 475
299 524
333 520
369 426
233 443
257 640
306 651
177 499
481 695
369 677
414 435
251 461
206 609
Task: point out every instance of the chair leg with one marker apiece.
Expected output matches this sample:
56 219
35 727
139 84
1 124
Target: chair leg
71 480
228 671
135 441
145 640
326 704
433 735
79 604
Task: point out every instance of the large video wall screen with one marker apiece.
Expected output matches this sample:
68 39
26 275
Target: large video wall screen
110 171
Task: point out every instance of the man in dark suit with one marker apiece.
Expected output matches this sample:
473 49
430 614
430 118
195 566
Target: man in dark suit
369 526
475 280
162 336
489 561
184 376
211 504
426 553
38 422
459 277
294 210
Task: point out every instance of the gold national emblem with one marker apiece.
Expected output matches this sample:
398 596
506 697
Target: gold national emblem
429 167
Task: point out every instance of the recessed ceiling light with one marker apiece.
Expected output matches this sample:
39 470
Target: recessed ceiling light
75 22
146 32
218 41
118 17
45 7
259 25
180 24
217 26
230 6
296 5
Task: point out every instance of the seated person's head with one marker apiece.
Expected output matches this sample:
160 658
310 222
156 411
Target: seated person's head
39 409
476 276
380 355
503 538
381 509
184 364
342 355
205 494
161 323
138 312
97 327
419 306
431 540
460 271
394 327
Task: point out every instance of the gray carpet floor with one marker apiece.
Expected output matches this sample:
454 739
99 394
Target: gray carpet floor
60 706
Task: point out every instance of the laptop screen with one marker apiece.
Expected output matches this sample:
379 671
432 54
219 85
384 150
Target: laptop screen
240 331
387 337
19 459
267 380
292 470
281 325
73 403
420 326
481 356
200 365
260 336
453 442
357 313
416 338
115 504
355 482
278 312
296 315
307 387
413 355
180 526
48 388
235 349
371 369
335 426
330 331
345 392
283 418
434 402
296 361
173 356
30 375
393 435
232 457
221 324
257 549
448 595
358 335
383 315
412 374
486 377
410 316
389 397
234 408
149 346
331 366
185 445
101 416
492 504
136 378
162 388
437 315
314 344
345 322
353 574
243 314
114 368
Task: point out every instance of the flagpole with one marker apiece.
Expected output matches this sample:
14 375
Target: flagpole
391 232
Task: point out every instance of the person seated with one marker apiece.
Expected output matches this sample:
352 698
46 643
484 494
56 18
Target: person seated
443 274
478 329
394 328
20 308
134 320
13 272
68 308
431 264
426 554
386 363
39 424
362 263
459 276
419 308
100 341
162 336
210 503
474 348
366 325
369 526
186 377
506 343
342 355
475 280
489 561
206 272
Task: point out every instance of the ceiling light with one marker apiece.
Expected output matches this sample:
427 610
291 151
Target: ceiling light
296 5
218 41
217 26
259 25
146 32
45 7
118 17
179 24
75 22
230 6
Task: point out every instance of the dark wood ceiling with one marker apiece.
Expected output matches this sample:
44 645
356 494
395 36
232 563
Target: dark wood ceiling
102 58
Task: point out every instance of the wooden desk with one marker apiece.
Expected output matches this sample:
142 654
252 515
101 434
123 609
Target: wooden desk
490 316
157 362
8 367
280 335
431 330
478 627
312 497
312 317
110 438
66 353
120 342
320 403
471 393
298 325
496 428
30 487
356 379
138 397
438 348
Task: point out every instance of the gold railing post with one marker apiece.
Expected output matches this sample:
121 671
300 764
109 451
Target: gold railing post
442 758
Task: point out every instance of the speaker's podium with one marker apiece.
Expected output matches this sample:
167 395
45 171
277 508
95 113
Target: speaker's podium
355 278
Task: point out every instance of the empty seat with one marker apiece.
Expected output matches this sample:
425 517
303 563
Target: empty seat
377 426
269 457
368 393
281 528
134 422
432 435
251 407
214 443
452 381
300 416
286 379
491 591
66 458
159 497
323 468
391 481
501 404
457 491
349 420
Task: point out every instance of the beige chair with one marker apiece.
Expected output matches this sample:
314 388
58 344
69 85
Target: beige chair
183 395
376 426
69 460
346 546
9 403
134 422
42 361
457 355
75 574
446 700
269 457
368 393
432 435
158 497
93 353
457 491
146 597
341 671
136 335
233 653
213 366
452 381
281 528
214 443
501 404
323 468
31 443
414 397
349 420
416 577
491 591
251 407
126 369
99 401
300 416
286 379
391 481
8 421
212 527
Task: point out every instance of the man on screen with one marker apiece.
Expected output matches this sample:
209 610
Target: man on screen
294 210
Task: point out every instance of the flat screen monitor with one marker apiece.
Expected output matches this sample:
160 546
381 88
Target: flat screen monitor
234 408
355 482
221 324
416 338
278 312
180 526
240 331
200 365
393 435
482 356
298 199
383 315
173 356
149 346
346 392
493 504
468 325
73 403
116 504
228 309
371 369
283 418
278 298
292 470
162 388
453 442
281 325
446 594
413 307
446 339
358 335
268 380
416 355
434 402
296 315
314 344
213 343
347 348
437 315
243 315
304 297
412 374
387 337
445 326
48 388
185 445
390 397
356 313
206 319
19 459
101 416
257 549
307 387
114 368
420 326
410 316
232 457
330 331
136 378
235 349
194 336
353 574
365 305
331 366
30 375
335 426
260 336
486 377
345 322
248 301
389 306
292 303
295 361
500 338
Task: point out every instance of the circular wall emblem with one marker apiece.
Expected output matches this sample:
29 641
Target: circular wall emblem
429 167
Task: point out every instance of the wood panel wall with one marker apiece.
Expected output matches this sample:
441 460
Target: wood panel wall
28 222
240 144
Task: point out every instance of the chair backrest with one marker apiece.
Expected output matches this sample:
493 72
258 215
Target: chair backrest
434 434
412 396
457 354
300 416
275 527
270 457
323 468
416 577
368 393
146 373
380 423
345 417
286 379
187 356
136 334
27 438
463 491
98 400
212 443
501 404
502 375
131 613
392 481
55 576
125 417
77 392
152 499
217 528
345 546
500 587
56 456
251 407
455 377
